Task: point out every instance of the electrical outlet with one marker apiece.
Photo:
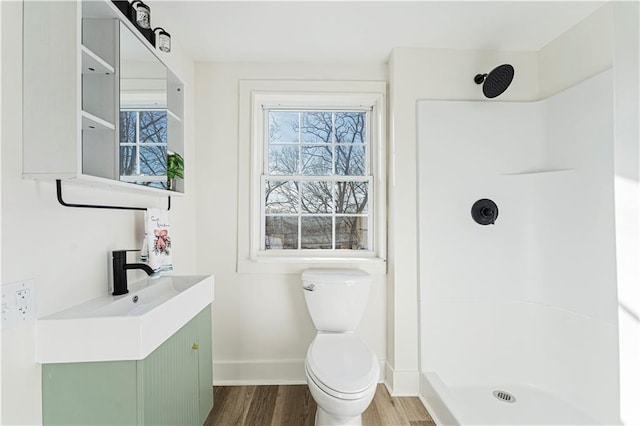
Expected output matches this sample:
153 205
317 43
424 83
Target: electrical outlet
18 302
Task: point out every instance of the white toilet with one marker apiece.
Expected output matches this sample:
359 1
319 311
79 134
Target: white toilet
342 372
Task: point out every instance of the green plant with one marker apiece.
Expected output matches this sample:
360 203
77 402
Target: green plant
175 166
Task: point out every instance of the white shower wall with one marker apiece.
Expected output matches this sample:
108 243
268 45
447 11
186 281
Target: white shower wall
532 299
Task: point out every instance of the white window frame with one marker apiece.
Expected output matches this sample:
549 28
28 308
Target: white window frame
254 96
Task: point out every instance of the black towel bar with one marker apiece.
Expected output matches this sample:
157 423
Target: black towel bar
97 206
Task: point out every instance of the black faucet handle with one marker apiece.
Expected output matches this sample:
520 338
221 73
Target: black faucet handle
122 253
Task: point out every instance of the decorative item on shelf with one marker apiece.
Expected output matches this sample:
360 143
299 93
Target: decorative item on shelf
140 14
162 39
175 169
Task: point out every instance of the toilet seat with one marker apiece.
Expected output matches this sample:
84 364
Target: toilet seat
342 365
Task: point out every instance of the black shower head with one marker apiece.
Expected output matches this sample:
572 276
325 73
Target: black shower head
497 81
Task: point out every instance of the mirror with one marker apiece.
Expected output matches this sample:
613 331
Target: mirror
143 122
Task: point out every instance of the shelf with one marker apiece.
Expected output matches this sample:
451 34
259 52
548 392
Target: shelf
98 182
94 64
537 172
91 122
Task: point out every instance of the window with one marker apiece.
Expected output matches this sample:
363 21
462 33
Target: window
143 147
311 176
316 179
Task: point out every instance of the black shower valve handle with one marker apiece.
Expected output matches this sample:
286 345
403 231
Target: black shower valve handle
484 212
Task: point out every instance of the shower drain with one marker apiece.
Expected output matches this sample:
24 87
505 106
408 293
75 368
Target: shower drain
504 396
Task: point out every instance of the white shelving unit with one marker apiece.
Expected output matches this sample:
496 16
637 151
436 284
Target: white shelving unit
92 63
72 94
91 122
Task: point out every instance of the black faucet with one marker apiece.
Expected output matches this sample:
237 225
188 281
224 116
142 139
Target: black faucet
120 267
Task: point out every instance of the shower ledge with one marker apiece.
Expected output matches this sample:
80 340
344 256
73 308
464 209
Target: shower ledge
536 172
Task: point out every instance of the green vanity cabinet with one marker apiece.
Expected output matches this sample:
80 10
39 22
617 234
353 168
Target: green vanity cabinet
172 386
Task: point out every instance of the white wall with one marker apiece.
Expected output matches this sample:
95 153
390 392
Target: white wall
66 250
1 97
610 37
626 61
581 52
261 328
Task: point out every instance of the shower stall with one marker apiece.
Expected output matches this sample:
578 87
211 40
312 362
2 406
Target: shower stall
518 315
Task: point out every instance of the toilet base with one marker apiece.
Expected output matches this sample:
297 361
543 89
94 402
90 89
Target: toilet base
326 419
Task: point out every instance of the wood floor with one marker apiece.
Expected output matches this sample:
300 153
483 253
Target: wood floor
294 406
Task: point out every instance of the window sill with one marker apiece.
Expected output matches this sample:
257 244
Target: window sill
296 265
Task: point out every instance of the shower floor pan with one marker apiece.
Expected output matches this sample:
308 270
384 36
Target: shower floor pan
477 405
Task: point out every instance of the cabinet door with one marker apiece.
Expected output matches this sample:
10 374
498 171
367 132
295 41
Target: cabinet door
168 380
205 362
89 393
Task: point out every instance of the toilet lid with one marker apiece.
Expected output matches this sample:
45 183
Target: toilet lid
342 363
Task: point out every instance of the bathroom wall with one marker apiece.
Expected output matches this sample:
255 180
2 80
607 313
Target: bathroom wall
1 92
579 53
261 328
67 250
610 38
626 64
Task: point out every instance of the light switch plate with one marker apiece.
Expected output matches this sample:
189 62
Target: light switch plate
18 302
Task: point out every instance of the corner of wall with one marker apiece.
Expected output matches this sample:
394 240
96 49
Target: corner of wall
401 383
581 52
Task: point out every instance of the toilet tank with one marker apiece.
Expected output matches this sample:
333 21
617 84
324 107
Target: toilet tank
336 298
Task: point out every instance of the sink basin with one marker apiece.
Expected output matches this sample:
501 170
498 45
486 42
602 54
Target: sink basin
127 327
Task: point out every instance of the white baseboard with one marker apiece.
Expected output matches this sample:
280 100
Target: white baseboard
402 383
259 372
264 372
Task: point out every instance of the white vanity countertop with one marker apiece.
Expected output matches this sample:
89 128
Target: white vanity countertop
127 327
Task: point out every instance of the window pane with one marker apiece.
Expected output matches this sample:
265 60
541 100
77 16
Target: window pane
153 127
283 159
317 160
316 126
317 197
153 160
351 233
351 127
317 233
281 233
352 197
128 126
350 160
127 160
283 127
281 197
